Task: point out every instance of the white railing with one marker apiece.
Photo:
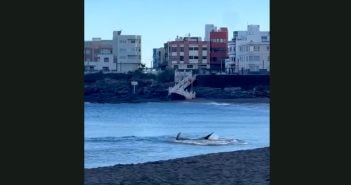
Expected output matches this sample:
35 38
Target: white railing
179 87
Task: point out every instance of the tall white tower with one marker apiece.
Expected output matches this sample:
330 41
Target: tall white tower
208 29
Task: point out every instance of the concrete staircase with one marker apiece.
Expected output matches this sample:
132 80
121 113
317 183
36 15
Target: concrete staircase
180 86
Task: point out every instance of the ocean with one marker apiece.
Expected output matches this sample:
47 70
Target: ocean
141 132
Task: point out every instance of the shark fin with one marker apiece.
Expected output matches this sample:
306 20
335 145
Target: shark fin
178 136
208 136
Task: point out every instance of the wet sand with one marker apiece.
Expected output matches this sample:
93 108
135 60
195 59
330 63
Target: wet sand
226 168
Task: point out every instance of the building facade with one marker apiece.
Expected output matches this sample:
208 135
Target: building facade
188 53
218 49
158 56
104 62
127 51
96 47
208 29
249 51
230 63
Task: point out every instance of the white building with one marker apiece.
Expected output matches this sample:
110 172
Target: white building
127 51
208 29
249 51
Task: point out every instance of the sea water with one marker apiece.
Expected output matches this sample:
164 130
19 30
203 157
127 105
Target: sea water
141 132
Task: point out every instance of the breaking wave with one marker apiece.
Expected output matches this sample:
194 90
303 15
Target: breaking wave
214 140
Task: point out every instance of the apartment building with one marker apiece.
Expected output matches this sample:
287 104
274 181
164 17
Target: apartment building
249 51
188 53
218 49
127 51
122 54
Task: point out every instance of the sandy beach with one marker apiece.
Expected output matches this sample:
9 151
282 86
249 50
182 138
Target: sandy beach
225 168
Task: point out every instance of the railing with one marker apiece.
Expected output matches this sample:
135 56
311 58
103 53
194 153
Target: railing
179 88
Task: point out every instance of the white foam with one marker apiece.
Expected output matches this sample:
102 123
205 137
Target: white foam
208 142
216 103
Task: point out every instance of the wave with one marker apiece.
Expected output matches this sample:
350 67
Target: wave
211 142
165 139
128 139
216 103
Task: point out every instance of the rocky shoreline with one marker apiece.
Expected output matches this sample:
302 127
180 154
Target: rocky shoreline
239 167
116 88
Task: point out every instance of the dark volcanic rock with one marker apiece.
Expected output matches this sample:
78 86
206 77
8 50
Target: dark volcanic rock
117 88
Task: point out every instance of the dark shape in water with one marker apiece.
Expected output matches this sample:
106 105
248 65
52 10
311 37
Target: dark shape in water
202 138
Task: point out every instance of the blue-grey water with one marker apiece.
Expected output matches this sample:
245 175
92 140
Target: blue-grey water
135 133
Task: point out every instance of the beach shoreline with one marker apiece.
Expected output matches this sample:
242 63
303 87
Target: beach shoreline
219 100
238 167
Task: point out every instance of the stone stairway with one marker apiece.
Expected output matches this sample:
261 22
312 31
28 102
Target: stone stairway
180 87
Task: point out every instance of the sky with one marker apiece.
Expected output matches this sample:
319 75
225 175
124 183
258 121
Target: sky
159 21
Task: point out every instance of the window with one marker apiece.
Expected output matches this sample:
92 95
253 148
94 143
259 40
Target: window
254 58
204 48
87 51
196 57
256 48
204 57
175 66
181 58
174 49
189 66
131 41
122 50
264 38
105 51
251 48
267 48
218 49
106 59
132 56
105 68
191 48
181 49
196 48
191 57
